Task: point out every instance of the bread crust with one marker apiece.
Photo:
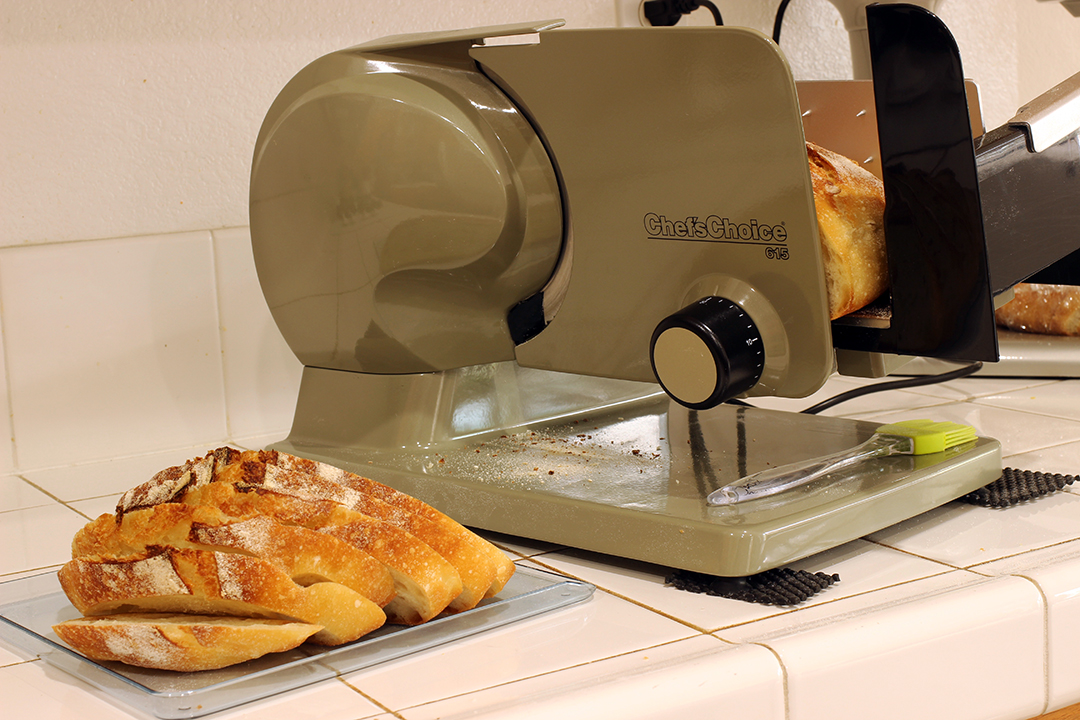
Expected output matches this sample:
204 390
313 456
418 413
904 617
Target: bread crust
424 582
501 567
480 565
181 643
303 554
1042 308
850 207
201 582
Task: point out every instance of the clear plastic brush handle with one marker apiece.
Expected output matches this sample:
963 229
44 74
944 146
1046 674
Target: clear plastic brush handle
778 479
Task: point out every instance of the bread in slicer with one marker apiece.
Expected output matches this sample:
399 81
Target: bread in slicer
850 206
184 643
204 582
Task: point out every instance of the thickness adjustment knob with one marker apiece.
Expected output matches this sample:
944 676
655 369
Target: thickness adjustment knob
707 353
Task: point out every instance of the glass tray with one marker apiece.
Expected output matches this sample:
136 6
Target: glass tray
30 606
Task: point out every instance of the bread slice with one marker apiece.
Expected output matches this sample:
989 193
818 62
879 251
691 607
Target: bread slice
182 643
172 483
476 546
424 581
306 556
483 568
202 582
850 205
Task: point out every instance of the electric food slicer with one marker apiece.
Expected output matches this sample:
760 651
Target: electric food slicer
525 267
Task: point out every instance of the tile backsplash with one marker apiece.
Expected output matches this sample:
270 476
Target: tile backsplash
117 347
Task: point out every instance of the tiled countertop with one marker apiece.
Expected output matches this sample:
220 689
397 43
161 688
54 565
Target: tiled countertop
963 612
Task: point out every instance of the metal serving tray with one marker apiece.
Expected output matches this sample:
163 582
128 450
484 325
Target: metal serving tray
30 606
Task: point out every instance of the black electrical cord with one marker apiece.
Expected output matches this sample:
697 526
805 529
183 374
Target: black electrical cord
883 386
779 21
894 385
661 13
714 10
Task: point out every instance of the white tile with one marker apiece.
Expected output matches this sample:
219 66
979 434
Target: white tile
942 647
37 537
110 477
695 678
603 626
95 507
523 547
1018 432
112 347
1056 570
262 375
37 690
7 577
11 655
1064 459
977 386
325 700
1059 399
17 494
862 566
964 535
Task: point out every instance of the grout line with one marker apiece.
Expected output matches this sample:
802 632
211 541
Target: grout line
367 697
107 238
1046 640
194 447
630 600
9 408
786 690
215 266
63 503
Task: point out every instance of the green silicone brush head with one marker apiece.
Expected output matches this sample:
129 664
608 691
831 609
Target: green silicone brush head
930 436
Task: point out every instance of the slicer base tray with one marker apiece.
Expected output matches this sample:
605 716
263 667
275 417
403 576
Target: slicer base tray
631 480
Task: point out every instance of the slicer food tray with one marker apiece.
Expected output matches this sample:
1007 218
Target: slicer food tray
30 606
631 480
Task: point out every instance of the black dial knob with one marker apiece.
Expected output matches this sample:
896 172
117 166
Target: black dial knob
707 353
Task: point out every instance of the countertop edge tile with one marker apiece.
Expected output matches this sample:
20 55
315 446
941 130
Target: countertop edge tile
675 680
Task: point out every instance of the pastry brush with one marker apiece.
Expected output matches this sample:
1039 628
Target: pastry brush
909 437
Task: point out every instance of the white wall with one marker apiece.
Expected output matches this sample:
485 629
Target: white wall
131 316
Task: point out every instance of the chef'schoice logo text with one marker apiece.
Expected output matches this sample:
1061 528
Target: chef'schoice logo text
714 228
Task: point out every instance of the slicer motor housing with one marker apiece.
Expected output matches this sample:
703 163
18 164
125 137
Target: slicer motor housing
431 203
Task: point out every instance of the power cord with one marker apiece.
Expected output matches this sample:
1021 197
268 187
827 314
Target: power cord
894 385
664 13
908 382
779 20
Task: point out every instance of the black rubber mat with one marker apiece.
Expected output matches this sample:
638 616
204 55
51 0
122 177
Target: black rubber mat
1017 486
780 586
